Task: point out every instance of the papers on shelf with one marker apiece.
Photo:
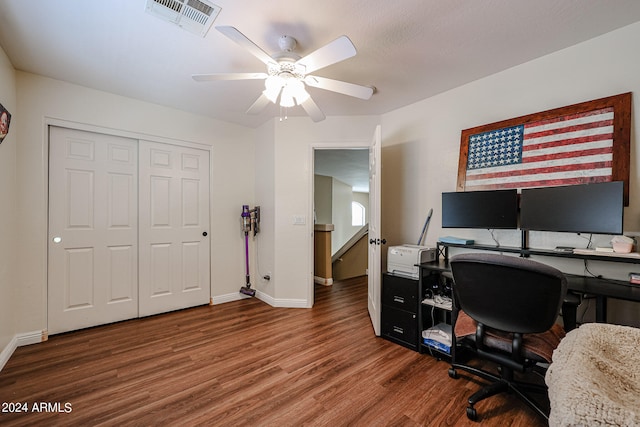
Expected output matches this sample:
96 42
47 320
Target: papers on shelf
439 302
438 336
606 254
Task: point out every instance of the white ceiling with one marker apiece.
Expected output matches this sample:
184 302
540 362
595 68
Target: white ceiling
409 50
350 166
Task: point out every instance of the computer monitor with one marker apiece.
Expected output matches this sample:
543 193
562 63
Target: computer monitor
480 209
585 208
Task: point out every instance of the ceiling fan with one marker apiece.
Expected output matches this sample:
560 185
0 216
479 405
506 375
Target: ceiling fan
288 73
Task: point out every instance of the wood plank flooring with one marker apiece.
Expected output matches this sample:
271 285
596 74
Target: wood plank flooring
244 364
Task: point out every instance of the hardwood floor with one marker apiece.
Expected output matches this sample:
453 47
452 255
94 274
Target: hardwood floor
244 363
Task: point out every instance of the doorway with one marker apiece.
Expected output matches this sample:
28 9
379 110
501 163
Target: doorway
341 198
374 239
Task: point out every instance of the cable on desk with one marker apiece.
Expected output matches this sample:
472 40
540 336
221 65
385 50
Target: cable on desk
584 312
589 240
586 269
491 231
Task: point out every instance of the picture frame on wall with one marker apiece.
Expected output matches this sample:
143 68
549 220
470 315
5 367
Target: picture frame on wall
581 143
5 121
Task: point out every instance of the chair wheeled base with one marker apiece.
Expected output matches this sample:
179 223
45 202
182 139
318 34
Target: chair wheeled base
500 384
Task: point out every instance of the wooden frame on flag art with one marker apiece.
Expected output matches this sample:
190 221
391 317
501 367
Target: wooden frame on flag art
582 143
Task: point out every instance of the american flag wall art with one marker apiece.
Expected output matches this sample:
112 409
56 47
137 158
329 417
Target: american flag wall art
579 144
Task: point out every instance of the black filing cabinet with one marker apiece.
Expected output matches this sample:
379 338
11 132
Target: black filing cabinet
400 305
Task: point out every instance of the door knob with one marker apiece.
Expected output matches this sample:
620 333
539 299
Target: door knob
57 239
377 241
204 234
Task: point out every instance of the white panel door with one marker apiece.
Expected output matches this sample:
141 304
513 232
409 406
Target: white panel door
174 218
93 215
375 269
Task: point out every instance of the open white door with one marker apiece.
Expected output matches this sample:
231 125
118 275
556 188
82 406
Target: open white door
375 241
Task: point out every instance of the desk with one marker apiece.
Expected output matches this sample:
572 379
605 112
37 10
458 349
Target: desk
600 288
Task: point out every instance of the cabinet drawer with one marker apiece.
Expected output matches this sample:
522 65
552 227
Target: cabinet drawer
400 325
400 292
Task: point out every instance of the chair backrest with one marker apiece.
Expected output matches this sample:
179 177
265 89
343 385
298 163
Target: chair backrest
508 293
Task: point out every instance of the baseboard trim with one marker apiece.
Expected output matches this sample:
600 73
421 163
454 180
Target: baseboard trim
281 303
34 337
7 351
264 297
323 281
20 340
221 299
292 303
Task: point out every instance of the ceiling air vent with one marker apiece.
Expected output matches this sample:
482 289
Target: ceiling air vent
195 16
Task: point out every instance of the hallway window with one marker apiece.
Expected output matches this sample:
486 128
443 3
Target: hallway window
357 214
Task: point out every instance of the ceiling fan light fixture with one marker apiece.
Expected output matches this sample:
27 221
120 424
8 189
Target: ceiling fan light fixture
273 85
286 99
297 90
271 95
287 75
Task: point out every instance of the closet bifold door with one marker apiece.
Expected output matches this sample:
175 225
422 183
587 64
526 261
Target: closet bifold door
174 269
93 234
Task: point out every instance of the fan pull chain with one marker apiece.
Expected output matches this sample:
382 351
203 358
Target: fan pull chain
285 113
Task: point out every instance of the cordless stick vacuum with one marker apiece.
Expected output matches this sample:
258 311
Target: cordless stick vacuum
249 221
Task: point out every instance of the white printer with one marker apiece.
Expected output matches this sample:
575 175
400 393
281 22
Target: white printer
403 260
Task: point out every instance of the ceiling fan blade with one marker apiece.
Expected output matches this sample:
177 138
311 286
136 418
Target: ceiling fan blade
243 41
228 76
313 110
336 51
259 105
358 91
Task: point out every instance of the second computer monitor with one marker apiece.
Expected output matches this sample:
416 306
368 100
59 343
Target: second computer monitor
586 208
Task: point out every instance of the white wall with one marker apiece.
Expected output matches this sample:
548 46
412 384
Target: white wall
332 205
294 141
232 168
8 215
341 198
421 143
322 190
263 246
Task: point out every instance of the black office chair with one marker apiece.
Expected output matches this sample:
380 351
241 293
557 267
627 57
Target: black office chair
506 312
